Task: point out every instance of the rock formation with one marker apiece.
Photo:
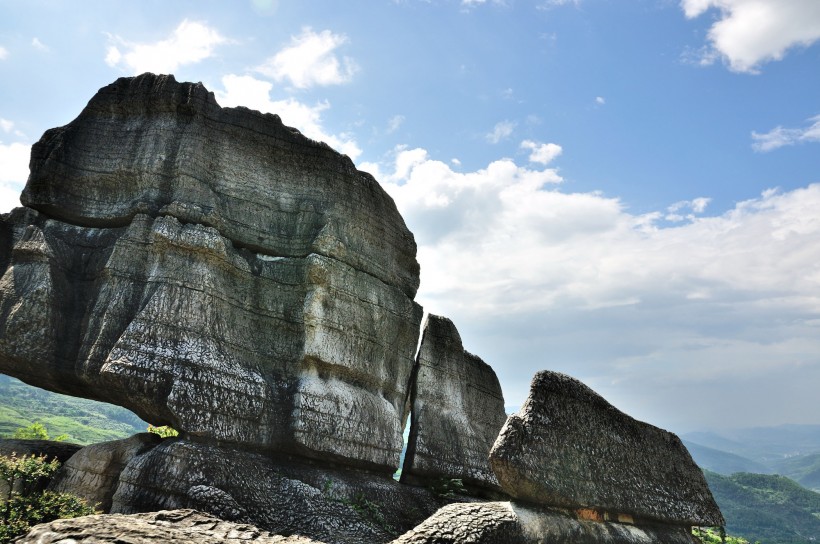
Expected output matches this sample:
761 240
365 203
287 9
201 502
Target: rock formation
457 411
215 270
570 448
212 269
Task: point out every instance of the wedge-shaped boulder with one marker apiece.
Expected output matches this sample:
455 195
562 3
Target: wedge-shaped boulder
568 447
457 411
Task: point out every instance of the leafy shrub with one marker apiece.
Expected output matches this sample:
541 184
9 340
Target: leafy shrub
165 431
36 431
25 504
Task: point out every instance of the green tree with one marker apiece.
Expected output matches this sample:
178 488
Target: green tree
25 504
36 431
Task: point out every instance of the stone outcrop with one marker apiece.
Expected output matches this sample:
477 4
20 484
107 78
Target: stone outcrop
570 448
181 526
282 495
94 472
457 411
512 523
215 270
212 269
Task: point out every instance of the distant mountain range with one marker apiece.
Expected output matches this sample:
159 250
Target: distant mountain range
788 450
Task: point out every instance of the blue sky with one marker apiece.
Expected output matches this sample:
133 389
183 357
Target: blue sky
620 190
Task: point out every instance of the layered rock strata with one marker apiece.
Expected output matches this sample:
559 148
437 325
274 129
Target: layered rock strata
570 448
457 411
212 269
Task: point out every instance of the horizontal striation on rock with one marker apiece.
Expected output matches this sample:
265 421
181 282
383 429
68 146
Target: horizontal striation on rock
212 269
569 447
151 145
457 411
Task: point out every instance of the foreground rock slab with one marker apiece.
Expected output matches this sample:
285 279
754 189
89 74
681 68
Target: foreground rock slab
182 526
512 523
568 447
457 411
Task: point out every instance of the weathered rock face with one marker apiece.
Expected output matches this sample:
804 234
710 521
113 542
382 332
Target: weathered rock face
283 495
61 451
180 526
457 411
94 472
212 269
568 447
511 523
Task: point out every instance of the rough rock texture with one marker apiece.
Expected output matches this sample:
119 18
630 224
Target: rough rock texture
282 495
511 523
569 447
93 472
212 269
457 411
155 527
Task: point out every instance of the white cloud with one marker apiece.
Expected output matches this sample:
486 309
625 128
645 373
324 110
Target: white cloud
649 313
501 131
189 43
694 207
394 123
310 60
780 137
40 46
13 172
600 100
4 53
255 94
6 125
749 33
541 153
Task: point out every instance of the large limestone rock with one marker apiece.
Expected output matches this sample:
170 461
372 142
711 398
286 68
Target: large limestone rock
457 411
212 269
180 526
512 523
568 447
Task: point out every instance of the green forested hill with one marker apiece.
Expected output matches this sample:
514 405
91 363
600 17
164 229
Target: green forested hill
804 469
766 508
84 421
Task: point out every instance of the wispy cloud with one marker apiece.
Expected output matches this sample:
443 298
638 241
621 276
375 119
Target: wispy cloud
501 131
748 33
311 60
40 46
687 209
541 153
13 170
4 53
394 123
780 136
255 93
189 43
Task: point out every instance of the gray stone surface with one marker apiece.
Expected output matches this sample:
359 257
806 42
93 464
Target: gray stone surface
94 471
283 495
182 526
569 447
212 269
457 411
511 523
